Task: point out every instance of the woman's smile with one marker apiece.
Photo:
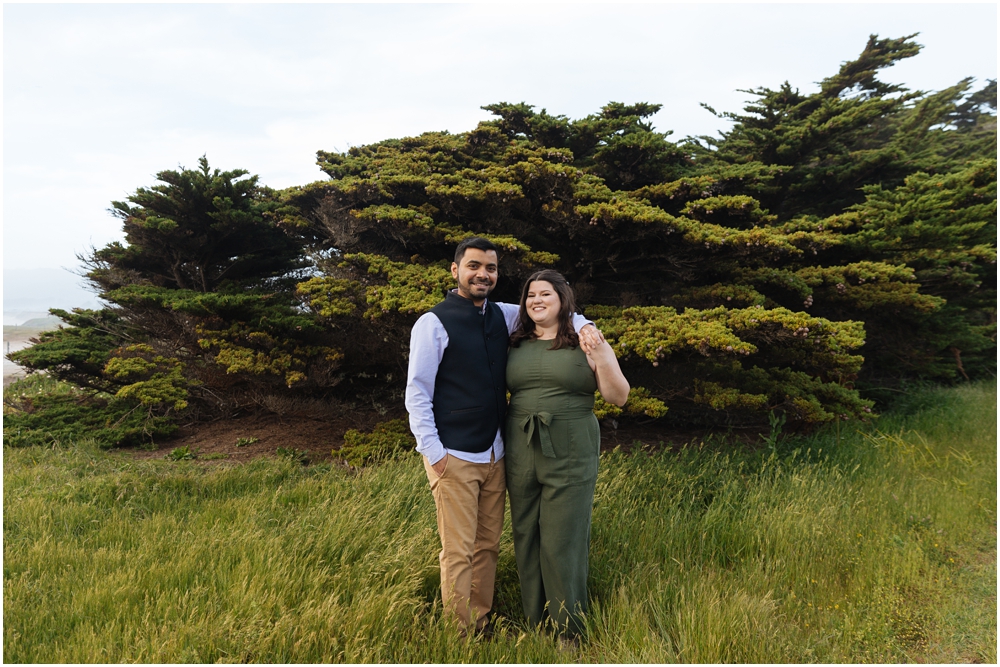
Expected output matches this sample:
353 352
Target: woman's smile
543 303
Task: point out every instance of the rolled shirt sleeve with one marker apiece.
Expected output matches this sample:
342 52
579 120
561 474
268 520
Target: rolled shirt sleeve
579 322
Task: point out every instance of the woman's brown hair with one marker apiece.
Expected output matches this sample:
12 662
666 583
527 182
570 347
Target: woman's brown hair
566 336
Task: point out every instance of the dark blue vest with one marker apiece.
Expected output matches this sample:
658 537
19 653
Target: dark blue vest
470 391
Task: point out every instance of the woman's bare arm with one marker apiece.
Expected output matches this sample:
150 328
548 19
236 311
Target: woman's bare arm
611 382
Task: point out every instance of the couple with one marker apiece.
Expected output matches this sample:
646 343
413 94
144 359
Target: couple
465 354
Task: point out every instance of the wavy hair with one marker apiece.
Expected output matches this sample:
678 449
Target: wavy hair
566 336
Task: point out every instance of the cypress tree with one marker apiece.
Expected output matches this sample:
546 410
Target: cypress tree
825 243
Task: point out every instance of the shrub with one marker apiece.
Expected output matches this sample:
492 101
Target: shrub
181 454
386 441
41 411
639 404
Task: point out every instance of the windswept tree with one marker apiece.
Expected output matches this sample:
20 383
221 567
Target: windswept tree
197 230
737 275
202 314
898 192
826 242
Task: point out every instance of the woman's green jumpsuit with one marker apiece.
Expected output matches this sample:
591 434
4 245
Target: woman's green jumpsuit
552 447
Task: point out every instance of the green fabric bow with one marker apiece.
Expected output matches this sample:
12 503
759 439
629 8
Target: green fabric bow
539 421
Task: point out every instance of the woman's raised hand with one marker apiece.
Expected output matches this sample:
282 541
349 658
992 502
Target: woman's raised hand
591 338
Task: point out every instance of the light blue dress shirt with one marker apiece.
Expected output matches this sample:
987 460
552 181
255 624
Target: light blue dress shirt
428 340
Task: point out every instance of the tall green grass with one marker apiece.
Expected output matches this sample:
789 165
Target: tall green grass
879 548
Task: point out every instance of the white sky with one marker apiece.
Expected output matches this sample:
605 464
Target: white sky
98 98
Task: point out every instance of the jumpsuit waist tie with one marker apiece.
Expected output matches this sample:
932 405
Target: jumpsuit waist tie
538 422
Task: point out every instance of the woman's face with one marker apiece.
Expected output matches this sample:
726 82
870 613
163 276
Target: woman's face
543 303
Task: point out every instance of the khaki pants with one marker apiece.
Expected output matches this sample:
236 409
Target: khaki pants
469 498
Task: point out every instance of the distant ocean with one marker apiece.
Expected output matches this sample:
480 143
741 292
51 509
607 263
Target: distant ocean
29 293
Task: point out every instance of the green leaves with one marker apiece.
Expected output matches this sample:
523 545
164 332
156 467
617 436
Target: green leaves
388 440
721 268
639 404
734 343
410 288
829 239
196 229
153 380
41 411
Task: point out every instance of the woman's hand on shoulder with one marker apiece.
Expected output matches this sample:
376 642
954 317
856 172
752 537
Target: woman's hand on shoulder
590 337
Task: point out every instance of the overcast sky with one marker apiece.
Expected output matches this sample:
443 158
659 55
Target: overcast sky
98 98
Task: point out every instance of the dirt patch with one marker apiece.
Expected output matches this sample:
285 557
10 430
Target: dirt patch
319 437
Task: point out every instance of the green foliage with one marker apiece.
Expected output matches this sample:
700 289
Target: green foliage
738 274
243 442
203 312
330 297
292 454
826 245
892 196
252 333
776 422
729 340
154 380
385 442
821 147
942 228
618 143
248 350
78 352
180 454
196 230
409 288
639 403
41 411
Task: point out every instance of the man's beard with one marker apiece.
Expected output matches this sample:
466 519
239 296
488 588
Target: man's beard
478 288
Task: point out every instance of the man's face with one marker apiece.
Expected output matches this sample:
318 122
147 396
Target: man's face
476 274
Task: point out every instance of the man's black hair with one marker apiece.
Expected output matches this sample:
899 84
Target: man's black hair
477 242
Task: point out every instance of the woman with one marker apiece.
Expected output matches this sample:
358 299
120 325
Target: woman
553 443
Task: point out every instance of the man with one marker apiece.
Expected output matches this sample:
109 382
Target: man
456 395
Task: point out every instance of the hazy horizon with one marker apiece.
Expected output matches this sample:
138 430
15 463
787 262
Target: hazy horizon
98 98
30 293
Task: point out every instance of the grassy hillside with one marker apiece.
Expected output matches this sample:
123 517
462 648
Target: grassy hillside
881 548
